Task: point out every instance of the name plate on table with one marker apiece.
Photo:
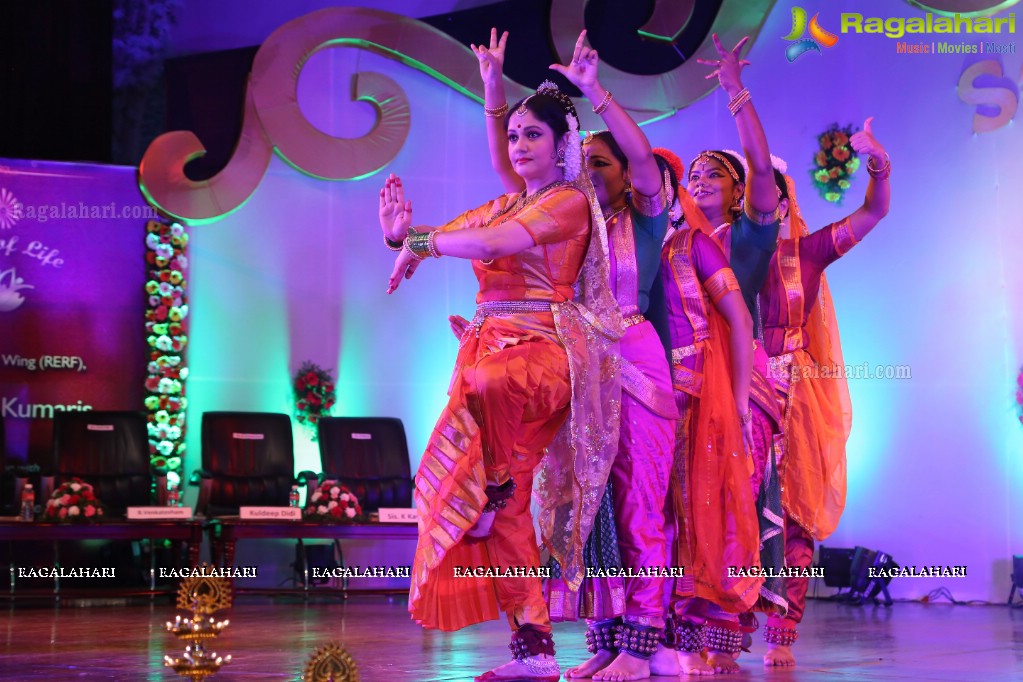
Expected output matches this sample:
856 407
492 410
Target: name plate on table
159 513
398 515
270 513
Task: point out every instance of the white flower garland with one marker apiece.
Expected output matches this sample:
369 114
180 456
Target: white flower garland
574 149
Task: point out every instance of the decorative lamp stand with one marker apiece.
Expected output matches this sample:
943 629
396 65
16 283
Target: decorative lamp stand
202 595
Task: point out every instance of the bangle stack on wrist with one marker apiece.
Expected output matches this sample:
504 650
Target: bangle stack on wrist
392 245
604 103
883 172
739 101
746 418
431 244
417 244
496 112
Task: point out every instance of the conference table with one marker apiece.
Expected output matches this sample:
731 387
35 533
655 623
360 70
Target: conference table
14 530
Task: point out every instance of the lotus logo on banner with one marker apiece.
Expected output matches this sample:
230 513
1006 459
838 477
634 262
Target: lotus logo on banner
10 283
818 36
10 209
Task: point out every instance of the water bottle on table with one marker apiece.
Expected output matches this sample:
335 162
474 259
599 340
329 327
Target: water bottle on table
28 503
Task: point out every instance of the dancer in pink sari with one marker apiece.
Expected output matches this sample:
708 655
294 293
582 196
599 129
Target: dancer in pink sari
801 336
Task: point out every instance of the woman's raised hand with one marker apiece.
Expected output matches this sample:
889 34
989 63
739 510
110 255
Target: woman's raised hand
864 142
491 58
582 70
729 67
395 211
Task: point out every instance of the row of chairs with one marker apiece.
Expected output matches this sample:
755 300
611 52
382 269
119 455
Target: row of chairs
247 460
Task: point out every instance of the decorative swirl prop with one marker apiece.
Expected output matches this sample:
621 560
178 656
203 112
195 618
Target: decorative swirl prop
273 121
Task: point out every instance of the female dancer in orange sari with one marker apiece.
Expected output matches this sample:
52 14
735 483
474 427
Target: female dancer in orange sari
528 376
630 188
721 536
801 336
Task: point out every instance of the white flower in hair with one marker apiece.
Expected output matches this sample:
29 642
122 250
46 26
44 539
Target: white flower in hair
574 149
779 164
741 158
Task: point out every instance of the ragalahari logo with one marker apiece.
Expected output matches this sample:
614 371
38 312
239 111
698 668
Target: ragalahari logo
10 209
818 36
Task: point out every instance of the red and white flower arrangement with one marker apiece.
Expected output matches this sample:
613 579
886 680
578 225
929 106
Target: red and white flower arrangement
314 394
334 503
166 326
73 500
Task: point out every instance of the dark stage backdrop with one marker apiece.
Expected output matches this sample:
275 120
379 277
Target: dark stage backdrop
72 276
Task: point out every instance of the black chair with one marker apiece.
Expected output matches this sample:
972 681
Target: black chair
370 456
248 459
109 450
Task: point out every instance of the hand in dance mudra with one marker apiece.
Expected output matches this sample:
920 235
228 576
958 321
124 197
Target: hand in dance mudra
491 58
395 220
729 67
582 70
864 142
458 325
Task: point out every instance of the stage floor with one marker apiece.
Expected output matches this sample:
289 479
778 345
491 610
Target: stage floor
271 640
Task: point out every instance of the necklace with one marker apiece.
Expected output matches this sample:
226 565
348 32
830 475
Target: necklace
614 214
524 200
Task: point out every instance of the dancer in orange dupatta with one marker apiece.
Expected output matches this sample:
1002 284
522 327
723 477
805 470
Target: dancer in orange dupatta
801 336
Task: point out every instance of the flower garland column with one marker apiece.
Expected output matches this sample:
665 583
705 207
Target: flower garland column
166 327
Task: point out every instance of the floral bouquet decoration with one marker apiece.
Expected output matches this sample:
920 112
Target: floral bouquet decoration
834 163
73 500
1019 395
332 503
314 394
167 338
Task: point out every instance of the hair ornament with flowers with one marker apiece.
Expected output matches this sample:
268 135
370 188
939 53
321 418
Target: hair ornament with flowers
574 148
741 158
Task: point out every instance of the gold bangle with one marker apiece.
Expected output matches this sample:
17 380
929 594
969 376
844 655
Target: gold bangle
883 172
604 103
496 112
431 244
739 101
746 418
392 245
416 244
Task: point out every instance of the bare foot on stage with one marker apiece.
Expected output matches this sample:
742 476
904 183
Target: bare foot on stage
722 663
779 656
693 664
664 662
625 667
595 664
517 670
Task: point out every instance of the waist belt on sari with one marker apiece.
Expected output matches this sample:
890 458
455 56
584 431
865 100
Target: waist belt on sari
781 371
679 354
633 320
499 308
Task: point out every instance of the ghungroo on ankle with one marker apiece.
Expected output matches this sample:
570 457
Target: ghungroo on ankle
529 640
601 635
637 640
498 495
721 638
780 636
681 635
